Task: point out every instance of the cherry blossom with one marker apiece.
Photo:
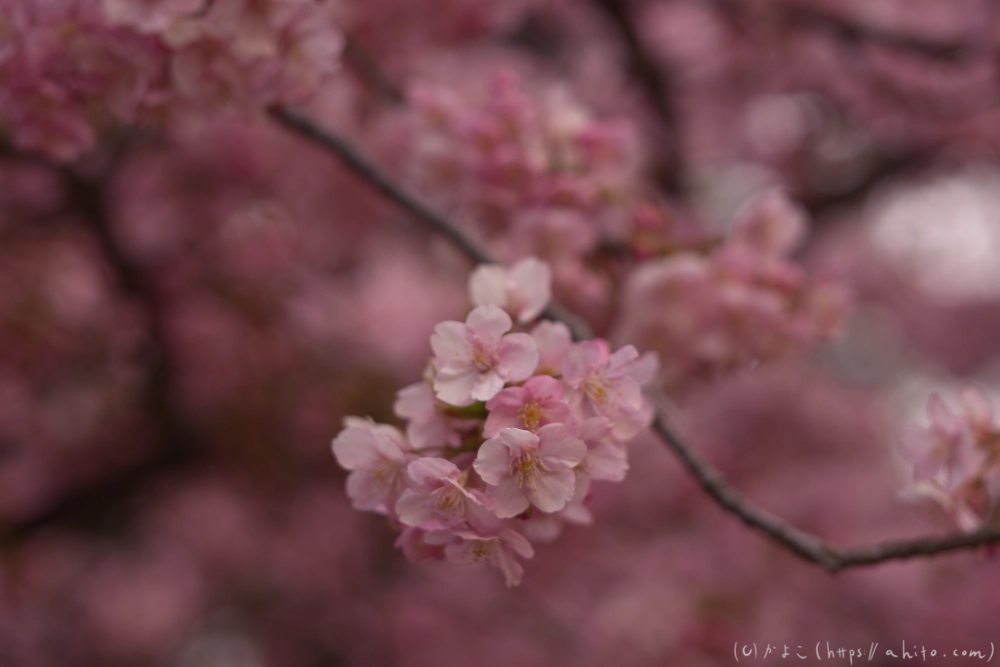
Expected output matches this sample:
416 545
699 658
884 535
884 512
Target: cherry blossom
475 359
537 403
436 498
524 468
377 456
499 551
523 290
610 385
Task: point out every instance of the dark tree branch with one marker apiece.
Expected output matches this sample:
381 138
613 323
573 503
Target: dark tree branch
172 447
660 91
798 16
805 545
371 73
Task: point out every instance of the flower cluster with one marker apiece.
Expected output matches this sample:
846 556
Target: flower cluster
71 70
505 433
742 302
536 174
956 458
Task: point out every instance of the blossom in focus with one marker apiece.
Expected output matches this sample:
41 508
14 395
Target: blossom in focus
436 498
529 407
524 468
475 359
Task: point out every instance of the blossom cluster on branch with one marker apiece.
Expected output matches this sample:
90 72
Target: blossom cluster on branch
72 71
506 432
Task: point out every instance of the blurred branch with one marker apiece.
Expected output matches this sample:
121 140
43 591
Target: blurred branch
798 16
87 197
361 165
805 545
370 71
659 87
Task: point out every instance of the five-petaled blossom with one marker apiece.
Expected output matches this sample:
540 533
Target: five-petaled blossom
475 359
610 385
437 500
524 468
535 404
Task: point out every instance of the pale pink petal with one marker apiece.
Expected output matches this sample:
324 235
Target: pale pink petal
977 407
507 499
367 491
488 322
620 360
631 424
517 543
533 280
449 341
942 419
518 440
512 570
554 341
593 429
544 386
559 443
493 461
487 285
518 357
413 401
583 359
645 368
354 448
455 386
607 462
486 385
413 508
428 472
577 514
550 492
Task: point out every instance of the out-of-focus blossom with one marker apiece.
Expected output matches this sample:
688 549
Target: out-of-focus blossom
523 290
377 456
956 458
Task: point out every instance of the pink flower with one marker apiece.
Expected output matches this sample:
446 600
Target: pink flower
771 223
537 403
554 342
954 461
524 469
428 426
609 385
498 551
475 359
376 455
436 499
605 460
523 290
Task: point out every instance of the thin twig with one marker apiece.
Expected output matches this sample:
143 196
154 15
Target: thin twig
805 545
660 90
